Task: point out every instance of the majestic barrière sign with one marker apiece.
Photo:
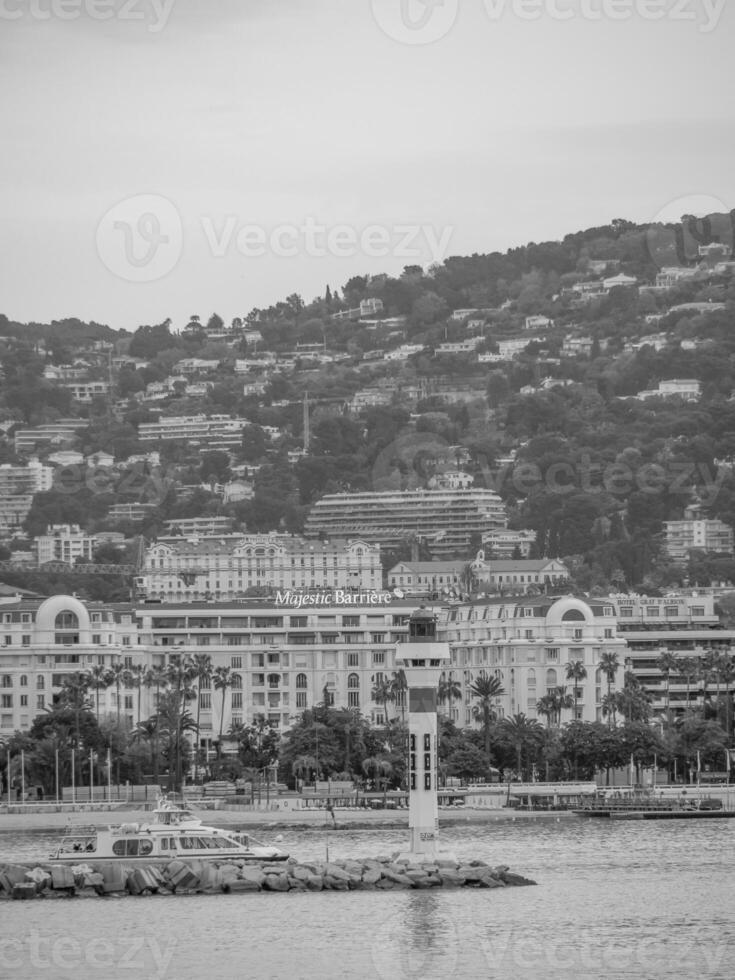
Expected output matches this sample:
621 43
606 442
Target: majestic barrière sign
337 597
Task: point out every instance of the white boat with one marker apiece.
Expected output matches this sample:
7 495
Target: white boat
174 833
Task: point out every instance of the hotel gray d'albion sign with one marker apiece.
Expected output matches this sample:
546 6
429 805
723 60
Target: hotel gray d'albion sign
334 597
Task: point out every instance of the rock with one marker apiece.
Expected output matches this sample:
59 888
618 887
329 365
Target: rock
372 876
397 877
508 878
301 874
239 885
296 884
336 884
385 884
450 878
254 875
276 883
334 871
315 883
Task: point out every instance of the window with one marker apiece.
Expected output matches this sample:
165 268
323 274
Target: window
258 660
236 682
353 699
300 681
7 701
552 654
298 621
96 638
237 699
26 640
301 699
205 700
353 659
7 680
258 680
40 701
350 620
24 680
40 682
626 613
697 610
378 657
353 682
236 662
274 680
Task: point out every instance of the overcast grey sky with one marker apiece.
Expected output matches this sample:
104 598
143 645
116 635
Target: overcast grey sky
477 125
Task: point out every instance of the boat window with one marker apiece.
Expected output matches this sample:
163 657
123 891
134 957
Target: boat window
132 848
164 843
118 848
188 843
146 847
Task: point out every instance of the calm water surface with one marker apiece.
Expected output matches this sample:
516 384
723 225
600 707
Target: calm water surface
643 900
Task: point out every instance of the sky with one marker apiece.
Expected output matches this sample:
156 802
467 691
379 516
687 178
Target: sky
164 158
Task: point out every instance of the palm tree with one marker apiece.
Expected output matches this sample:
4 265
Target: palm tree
576 671
486 690
727 675
180 673
521 732
117 677
710 672
449 690
689 669
222 678
609 665
667 664
399 689
382 693
553 703
302 766
100 679
135 678
202 664
156 677
609 708
379 768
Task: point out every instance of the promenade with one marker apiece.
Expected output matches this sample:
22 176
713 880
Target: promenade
52 819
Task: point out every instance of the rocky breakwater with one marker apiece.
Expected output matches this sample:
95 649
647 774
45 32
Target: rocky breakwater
23 882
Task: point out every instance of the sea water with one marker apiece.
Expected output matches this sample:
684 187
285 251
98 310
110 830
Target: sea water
640 899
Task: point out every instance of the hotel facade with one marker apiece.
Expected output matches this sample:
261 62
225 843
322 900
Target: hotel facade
292 652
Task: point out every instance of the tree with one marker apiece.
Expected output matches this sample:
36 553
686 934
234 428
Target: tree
575 672
609 665
382 692
399 690
202 664
222 679
523 733
486 690
156 677
100 680
449 690
666 663
553 703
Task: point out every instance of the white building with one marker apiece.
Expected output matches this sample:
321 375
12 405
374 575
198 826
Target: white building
65 542
694 534
224 567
